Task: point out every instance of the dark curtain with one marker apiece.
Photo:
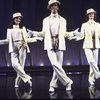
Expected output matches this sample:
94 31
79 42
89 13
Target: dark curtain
34 11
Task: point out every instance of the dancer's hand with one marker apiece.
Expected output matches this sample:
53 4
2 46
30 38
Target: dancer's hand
76 32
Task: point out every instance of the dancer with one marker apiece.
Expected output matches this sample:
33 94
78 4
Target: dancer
54 33
17 37
90 32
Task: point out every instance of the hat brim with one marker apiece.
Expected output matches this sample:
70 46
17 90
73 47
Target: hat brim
91 12
53 3
17 16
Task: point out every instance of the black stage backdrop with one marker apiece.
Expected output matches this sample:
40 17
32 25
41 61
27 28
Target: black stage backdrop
34 11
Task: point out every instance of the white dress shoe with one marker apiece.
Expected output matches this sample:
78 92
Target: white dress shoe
91 83
68 87
30 83
17 81
51 89
97 75
16 86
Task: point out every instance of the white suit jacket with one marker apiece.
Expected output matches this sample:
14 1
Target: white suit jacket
47 35
10 39
86 32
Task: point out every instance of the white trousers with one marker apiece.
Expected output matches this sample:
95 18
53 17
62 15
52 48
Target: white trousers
18 58
92 58
56 59
22 58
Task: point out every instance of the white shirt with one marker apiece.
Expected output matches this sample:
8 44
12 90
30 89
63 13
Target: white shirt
54 24
92 27
16 33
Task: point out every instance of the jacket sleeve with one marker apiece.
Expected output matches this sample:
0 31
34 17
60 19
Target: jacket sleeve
99 30
82 32
8 34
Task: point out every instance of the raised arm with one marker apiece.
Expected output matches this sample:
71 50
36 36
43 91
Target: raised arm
35 33
76 35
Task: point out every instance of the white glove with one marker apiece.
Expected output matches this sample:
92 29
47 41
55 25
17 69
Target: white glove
32 33
76 32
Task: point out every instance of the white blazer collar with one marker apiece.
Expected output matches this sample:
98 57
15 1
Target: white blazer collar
91 22
54 15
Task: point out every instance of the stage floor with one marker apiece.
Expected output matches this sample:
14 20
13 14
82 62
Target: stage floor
39 90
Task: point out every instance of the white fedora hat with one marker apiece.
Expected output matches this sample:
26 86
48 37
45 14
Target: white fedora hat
91 10
18 14
53 1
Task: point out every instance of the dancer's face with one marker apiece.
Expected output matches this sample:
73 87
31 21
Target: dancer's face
91 16
54 8
17 20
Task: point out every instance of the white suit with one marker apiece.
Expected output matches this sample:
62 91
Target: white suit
18 52
88 45
56 57
47 38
